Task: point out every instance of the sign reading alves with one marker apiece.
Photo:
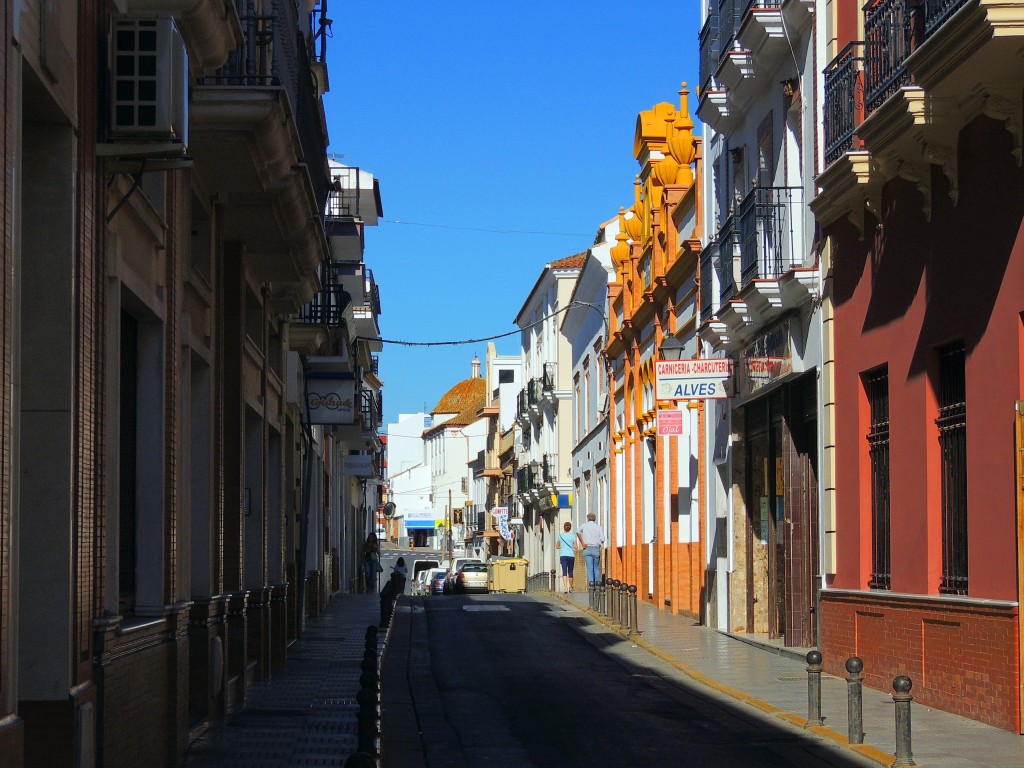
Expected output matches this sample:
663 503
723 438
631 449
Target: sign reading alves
704 378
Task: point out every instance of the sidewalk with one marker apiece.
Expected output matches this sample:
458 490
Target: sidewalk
774 680
307 714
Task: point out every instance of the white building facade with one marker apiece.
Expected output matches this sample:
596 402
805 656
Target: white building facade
760 285
544 414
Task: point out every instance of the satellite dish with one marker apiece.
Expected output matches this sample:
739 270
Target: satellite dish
389 509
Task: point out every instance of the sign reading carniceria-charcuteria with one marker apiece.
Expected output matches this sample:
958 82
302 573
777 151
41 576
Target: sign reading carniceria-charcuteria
702 378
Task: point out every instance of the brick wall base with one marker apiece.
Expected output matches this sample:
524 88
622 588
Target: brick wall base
962 655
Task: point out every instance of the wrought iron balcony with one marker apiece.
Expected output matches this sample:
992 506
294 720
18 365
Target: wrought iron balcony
887 46
726 242
535 391
707 281
549 379
549 469
730 14
709 48
328 306
771 233
370 409
844 100
865 74
269 57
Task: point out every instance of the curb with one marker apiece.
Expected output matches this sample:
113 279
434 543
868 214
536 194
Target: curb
865 750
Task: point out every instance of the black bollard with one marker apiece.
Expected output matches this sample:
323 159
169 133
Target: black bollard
367 720
602 596
901 686
633 610
814 717
855 701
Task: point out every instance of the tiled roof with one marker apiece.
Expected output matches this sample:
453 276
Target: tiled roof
569 262
468 395
465 400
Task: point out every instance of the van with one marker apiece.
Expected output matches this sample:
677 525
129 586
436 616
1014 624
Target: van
418 566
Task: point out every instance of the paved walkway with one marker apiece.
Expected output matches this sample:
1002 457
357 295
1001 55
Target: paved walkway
306 716
775 681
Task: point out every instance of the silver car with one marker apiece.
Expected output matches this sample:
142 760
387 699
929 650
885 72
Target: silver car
471 577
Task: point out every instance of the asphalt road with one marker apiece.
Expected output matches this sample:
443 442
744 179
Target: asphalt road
523 680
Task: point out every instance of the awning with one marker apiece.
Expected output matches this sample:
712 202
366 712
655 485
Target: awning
419 525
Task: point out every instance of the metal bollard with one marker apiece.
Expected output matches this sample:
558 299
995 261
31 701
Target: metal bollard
855 700
901 686
814 717
634 615
552 580
624 605
367 720
602 596
616 603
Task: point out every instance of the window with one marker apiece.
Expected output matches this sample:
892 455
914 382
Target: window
876 385
952 424
577 393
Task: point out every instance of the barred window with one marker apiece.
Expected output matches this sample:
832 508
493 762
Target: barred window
876 385
952 424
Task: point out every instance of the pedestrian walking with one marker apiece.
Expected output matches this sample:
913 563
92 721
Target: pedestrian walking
567 544
591 537
371 562
398 575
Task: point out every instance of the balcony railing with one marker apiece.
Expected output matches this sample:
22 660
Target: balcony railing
770 236
329 304
370 410
270 56
549 468
860 79
844 100
937 13
887 45
709 47
730 14
549 377
343 202
707 281
726 242
535 391
522 404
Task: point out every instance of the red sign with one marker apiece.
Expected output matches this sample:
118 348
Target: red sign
670 422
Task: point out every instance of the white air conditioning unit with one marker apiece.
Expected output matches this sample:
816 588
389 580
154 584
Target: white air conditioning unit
148 81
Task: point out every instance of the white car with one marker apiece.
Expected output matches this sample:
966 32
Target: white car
457 563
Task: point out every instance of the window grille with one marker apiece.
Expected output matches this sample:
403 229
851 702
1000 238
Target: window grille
952 424
877 386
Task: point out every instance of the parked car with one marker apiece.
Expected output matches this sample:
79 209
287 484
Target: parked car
436 581
449 584
471 577
419 584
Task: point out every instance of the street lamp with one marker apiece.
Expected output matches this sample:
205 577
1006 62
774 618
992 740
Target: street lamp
671 349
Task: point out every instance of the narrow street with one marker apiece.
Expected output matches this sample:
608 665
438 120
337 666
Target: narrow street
518 680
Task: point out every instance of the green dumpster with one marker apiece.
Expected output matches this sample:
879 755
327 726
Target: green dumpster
507 575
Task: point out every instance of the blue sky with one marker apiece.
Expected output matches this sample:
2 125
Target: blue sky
502 137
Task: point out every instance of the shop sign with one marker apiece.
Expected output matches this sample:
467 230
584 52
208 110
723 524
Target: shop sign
702 378
670 422
331 400
767 360
358 465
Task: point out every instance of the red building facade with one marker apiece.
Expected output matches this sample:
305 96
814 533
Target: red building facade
922 208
